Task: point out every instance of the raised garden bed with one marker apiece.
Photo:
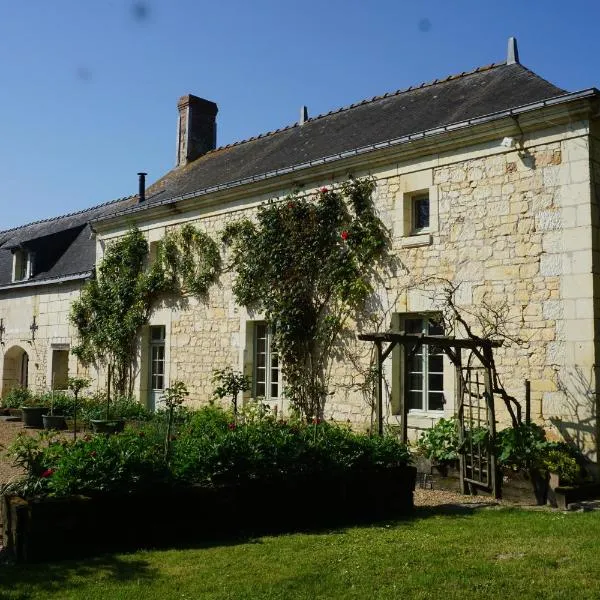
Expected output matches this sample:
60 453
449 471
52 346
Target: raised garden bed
519 487
41 529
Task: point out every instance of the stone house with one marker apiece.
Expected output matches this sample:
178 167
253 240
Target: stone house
487 179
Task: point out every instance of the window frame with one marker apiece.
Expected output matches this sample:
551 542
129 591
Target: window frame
400 370
23 265
415 228
270 354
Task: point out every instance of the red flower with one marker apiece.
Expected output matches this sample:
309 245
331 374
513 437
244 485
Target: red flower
345 235
231 426
323 190
141 434
316 421
290 205
93 453
48 473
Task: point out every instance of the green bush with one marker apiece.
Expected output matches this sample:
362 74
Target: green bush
440 442
62 401
18 397
121 407
208 448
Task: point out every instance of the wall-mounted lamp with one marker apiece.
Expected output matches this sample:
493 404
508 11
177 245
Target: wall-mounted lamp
33 327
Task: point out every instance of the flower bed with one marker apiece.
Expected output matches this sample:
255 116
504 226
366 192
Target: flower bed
212 477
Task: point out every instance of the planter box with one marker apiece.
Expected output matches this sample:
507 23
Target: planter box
50 528
519 487
32 416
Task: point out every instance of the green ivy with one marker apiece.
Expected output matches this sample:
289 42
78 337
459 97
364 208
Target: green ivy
309 263
191 260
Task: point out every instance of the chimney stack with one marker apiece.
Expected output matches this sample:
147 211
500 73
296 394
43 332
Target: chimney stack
196 128
142 187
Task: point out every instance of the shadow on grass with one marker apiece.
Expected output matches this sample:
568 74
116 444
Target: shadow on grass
22 581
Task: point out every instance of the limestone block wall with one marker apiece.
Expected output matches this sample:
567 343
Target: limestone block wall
50 306
514 229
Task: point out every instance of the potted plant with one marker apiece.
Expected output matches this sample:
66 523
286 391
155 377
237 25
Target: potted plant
108 424
76 384
54 421
31 410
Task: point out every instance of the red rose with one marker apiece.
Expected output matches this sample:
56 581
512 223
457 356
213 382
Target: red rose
344 235
93 453
231 426
141 434
48 473
290 205
323 190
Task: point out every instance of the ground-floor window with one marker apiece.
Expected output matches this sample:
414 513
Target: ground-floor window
266 371
157 364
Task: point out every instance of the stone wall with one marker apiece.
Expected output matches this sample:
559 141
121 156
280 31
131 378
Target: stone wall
50 306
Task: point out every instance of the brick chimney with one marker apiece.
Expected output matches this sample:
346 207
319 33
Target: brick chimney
196 128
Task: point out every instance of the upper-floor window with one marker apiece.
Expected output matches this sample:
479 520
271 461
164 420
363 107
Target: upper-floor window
419 213
23 264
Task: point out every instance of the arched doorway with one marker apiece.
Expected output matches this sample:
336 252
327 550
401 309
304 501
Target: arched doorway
15 369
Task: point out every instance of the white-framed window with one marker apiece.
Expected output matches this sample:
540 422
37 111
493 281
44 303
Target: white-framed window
424 384
419 209
266 376
23 264
157 359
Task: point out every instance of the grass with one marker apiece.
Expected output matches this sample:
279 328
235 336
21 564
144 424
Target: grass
480 553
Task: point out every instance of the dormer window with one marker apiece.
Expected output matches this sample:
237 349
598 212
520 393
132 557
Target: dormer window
22 264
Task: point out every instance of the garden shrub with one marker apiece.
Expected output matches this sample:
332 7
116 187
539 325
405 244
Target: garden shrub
440 442
62 402
208 449
17 397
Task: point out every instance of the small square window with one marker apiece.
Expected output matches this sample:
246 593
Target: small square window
420 213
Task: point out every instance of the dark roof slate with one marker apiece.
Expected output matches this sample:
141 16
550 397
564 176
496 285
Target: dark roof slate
440 103
64 245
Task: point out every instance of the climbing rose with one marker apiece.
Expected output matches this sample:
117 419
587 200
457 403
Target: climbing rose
324 190
344 235
93 453
48 473
231 425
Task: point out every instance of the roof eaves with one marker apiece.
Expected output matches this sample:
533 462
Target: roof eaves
49 281
517 110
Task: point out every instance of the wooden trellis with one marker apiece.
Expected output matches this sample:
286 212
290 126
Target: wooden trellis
474 396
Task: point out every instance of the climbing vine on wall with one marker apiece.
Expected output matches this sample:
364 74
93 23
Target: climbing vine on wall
191 261
113 307
309 264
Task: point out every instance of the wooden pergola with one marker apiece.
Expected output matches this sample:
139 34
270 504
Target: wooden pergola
473 396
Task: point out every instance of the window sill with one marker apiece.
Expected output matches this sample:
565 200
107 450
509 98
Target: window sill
412 241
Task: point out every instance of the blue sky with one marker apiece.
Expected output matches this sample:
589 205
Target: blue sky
88 88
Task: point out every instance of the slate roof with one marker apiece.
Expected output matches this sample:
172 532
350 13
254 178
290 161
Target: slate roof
440 103
63 245
457 98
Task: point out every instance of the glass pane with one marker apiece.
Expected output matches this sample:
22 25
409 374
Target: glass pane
260 388
261 360
436 364
436 401
157 333
436 328
415 363
421 212
436 383
415 400
274 390
415 381
413 325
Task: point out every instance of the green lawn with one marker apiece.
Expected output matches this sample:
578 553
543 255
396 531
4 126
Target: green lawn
488 553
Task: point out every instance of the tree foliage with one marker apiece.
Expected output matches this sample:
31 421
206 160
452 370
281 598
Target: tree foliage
309 263
113 307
